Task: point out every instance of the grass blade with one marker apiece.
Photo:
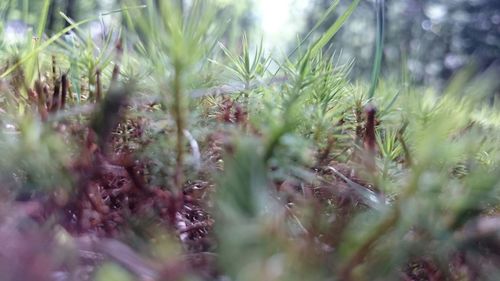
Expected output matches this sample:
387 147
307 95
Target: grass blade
43 19
334 28
379 47
323 18
38 49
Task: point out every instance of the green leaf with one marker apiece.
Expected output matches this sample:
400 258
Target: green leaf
333 29
43 20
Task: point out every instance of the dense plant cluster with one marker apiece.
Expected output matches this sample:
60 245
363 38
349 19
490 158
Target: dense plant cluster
162 153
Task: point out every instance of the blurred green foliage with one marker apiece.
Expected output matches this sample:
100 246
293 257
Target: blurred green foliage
432 39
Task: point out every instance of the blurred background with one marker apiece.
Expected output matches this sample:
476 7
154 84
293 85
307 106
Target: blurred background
428 40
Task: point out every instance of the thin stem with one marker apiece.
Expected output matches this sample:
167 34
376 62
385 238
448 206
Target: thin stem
370 142
379 47
98 85
180 120
64 90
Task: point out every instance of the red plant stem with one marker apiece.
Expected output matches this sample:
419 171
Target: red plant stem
370 143
64 90
42 105
98 93
56 97
54 76
116 72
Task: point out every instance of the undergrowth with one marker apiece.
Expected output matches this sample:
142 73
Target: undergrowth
162 153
